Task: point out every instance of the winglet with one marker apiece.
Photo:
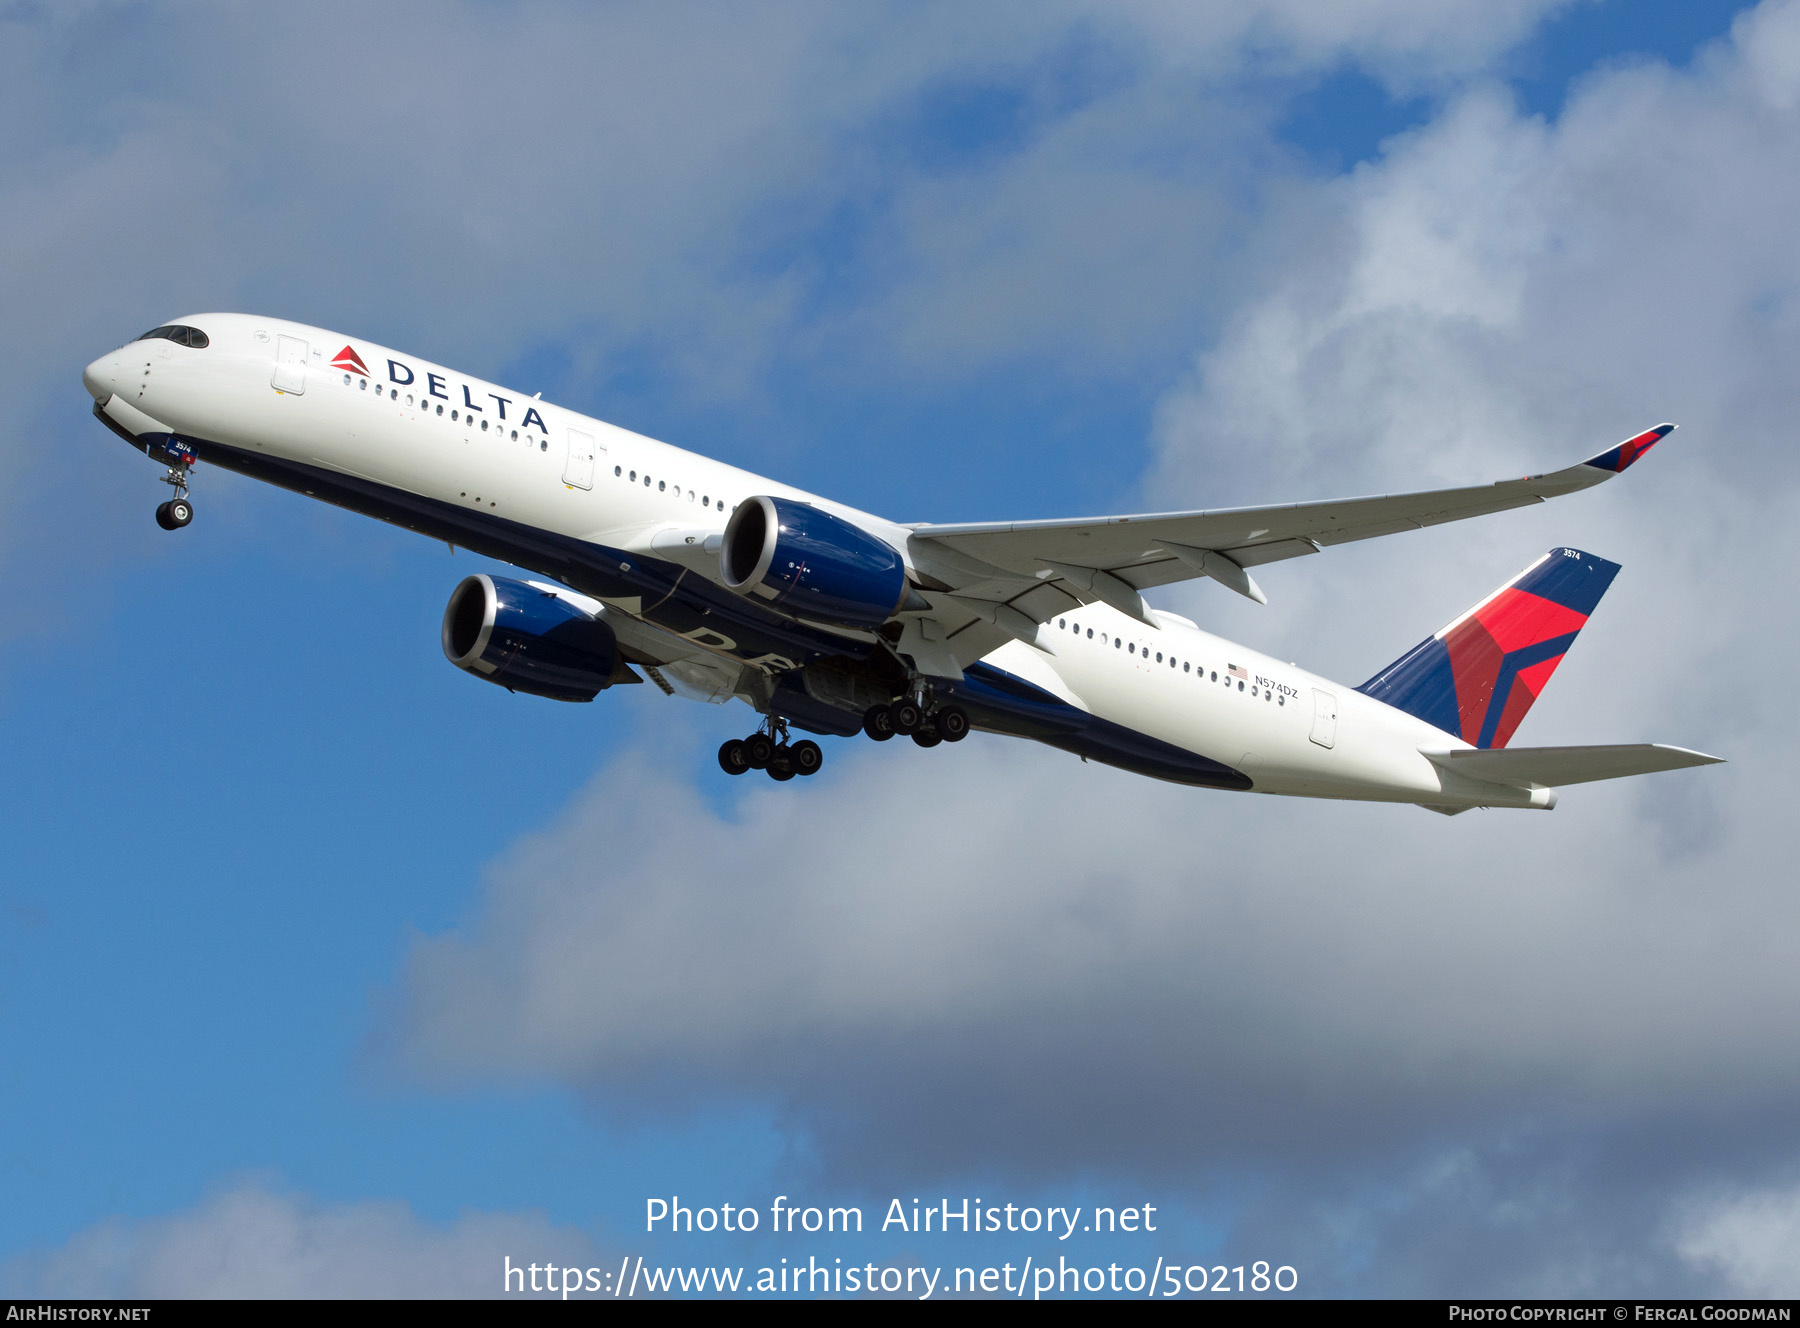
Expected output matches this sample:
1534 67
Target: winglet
1627 452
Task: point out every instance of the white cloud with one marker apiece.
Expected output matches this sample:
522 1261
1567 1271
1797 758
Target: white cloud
704 189
249 1242
1408 42
1180 974
1752 1239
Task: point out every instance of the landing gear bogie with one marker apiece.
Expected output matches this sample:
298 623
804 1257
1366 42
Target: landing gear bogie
768 749
925 726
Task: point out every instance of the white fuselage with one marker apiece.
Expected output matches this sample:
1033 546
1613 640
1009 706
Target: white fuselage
270 387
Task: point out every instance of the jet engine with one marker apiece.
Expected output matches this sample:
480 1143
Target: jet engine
528 640
810 564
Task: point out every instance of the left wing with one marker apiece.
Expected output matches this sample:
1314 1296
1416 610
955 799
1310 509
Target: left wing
1013 575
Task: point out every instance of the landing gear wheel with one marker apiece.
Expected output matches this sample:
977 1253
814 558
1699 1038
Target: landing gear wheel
162 516
805 757
905 716
181 511
781 769
927 736
952 723
731 757
759 750
878 723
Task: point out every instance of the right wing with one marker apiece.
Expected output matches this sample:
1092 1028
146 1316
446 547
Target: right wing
1146 550
1001 579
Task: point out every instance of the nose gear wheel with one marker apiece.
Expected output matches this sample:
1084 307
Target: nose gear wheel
174 514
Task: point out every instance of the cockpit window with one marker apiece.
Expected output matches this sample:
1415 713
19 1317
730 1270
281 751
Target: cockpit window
183 336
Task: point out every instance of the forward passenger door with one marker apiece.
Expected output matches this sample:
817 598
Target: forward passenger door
290 365
580 470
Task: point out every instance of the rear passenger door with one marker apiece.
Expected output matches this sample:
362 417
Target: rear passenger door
1324 728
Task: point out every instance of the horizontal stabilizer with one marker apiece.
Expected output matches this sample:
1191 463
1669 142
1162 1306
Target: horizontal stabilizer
1549 767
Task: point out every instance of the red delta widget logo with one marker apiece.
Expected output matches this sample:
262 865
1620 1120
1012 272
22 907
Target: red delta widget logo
347 358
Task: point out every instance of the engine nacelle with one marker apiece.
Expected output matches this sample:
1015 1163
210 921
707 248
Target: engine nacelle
528 640
810 564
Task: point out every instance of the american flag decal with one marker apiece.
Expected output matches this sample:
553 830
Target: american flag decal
1238 671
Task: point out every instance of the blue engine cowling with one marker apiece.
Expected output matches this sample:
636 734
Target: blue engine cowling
528 640
811 564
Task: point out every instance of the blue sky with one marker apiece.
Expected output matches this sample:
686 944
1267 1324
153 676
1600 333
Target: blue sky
300 927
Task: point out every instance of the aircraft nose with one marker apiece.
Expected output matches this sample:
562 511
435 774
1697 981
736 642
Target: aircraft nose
98 378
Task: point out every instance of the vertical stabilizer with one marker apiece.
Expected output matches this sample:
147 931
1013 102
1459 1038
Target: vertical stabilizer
1477 677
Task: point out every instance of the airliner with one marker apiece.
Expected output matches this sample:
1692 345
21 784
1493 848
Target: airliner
641 560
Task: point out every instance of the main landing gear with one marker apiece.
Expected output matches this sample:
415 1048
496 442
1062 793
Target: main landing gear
178 511
926 727
768 749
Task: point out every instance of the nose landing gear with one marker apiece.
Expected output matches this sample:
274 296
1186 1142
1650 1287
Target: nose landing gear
178 511
768 749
